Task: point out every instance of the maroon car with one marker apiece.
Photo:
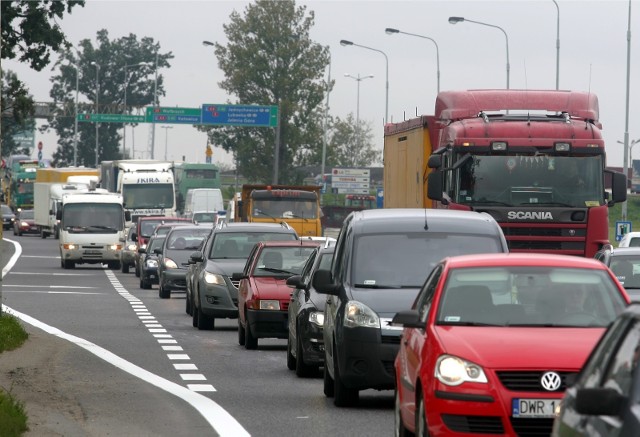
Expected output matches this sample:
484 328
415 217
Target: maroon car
25 223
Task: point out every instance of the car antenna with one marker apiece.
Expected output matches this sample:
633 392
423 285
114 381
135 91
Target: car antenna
426 225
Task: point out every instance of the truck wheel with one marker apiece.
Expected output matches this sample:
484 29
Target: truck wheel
56 233
69 264
113 265
43 234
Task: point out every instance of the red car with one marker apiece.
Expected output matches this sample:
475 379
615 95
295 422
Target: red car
491 341
25 223
263 294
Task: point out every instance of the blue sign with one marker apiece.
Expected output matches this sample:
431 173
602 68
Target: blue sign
240 115
380 197
622 228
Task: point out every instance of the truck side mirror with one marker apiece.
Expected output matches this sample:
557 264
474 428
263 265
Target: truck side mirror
127 216
434 185
435 161
618 188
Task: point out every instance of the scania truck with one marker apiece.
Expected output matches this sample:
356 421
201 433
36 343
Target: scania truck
533 159
92 228
147 186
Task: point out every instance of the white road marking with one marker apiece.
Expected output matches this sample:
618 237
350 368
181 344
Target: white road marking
157 330
185 366
42 286
172 348
192 377
48 274
167 341
219 419
49 292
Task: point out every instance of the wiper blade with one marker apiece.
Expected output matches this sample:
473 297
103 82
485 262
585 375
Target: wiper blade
468 324
376 286
272 270
109 228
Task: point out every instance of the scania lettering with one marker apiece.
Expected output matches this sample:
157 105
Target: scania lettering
519 215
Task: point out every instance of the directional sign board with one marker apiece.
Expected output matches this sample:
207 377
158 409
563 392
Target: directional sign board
111 118
163 114
351 180
240 115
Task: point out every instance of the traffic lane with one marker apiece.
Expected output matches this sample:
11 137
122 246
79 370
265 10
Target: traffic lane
255 386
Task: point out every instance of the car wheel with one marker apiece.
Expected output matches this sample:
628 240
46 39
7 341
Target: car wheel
399 430
125 268
241 333
163 292
250 341
291 360
344 396
205 323
142 284
187 306
303 370
421 418
328 381
137 271
194 314
114 265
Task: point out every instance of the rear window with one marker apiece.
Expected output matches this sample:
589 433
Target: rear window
405 260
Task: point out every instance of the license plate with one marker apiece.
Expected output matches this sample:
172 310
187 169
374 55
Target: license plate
534 407
92 252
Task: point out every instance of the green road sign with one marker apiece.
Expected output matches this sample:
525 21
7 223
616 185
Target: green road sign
165 114
111 118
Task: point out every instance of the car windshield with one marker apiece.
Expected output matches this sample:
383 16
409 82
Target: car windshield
530 296
414 256
186 239
5 209
155 243
26 214
282 260
238 245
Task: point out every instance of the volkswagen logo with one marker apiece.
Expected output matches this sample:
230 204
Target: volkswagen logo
550 381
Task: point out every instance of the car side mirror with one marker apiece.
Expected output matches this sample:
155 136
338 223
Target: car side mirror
408 319
157 251
322 281
599 401
237 276
142 250
295 281
197 256
134 236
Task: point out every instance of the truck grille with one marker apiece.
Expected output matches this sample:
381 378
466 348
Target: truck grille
534 237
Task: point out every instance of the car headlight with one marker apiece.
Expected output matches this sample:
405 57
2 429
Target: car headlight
131 247
144 246
24 224
270 305
212 278
115 247
153 263
70 246
358 315
170 264
451 370
317 318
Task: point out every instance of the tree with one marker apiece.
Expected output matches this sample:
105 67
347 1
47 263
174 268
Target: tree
271 60
111 56
30 32
350 146
17 107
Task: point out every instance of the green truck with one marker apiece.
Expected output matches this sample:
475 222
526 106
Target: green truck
190 175
20 175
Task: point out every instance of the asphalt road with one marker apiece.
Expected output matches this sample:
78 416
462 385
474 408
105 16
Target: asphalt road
138 353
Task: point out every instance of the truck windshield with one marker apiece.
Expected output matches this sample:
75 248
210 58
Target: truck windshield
148 196
93 218
530 180
282 207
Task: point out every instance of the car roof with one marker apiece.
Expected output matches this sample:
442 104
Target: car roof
289 243
524 259
188 228
254 227
625 251
417 219
163 219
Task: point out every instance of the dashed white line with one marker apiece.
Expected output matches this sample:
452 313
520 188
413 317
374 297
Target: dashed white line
178 356
192 377
185 366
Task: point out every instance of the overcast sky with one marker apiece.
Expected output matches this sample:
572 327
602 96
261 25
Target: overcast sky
593 57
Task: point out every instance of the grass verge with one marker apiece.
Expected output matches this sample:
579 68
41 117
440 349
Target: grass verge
13 418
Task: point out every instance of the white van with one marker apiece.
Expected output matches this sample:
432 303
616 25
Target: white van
203 199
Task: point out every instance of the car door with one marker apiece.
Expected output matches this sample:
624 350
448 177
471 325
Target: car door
299 296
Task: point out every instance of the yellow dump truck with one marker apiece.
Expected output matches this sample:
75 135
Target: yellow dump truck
297 205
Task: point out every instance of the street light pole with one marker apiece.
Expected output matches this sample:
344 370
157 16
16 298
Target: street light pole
358 79
124 106
557 46
75 127
391 31
155 106
454 20
97 107
326 122
166 139
626 117
344 42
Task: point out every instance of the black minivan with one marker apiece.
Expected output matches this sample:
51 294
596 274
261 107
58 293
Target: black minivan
382 257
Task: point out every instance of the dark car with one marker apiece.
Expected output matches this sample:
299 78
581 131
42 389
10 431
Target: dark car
625 264
161 229
8 216
263 294
382 257
305 345
604 399
146 226
181 241
25 223
214 294
149 261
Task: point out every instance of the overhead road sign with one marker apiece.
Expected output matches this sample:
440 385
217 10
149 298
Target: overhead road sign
163 114
111 118
240 115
